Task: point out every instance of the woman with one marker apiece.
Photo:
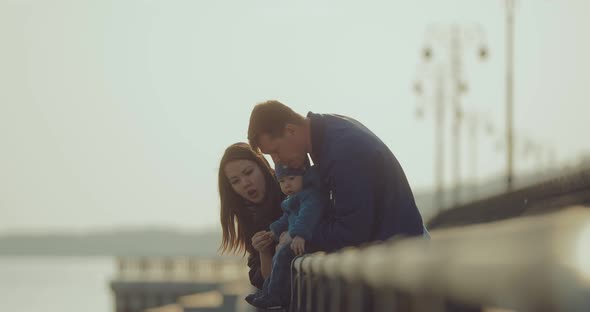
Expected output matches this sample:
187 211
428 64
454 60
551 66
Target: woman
250 200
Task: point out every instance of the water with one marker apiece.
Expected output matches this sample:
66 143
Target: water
56 284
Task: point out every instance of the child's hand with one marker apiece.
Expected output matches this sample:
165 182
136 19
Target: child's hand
298 245
285 239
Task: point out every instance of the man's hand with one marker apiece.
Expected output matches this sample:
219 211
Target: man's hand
262 241
298 245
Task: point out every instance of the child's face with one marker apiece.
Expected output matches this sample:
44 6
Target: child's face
291 184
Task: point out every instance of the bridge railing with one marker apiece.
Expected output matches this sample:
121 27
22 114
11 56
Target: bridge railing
547 196
186 269
538 263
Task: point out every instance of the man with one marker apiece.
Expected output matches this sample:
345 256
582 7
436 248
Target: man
371 197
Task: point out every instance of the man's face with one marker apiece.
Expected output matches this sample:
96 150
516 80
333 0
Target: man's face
288 149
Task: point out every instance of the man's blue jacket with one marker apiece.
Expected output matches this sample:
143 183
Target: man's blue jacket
370 195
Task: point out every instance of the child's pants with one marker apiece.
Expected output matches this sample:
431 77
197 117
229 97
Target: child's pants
278 286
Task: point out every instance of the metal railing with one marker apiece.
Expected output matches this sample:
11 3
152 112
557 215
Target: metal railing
538 263
177 283
551 195
193 269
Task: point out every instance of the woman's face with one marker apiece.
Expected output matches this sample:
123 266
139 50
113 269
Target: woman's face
247 179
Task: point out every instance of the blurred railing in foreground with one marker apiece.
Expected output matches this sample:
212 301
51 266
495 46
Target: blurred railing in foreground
539 263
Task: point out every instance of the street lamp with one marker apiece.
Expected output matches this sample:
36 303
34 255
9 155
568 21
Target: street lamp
454 39
509 93
439 121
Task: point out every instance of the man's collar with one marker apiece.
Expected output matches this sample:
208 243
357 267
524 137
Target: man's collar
316 130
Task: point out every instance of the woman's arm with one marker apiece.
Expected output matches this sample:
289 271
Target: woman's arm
260 261
265 264
260 267
255 274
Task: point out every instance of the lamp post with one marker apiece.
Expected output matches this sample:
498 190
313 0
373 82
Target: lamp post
454 40
509 94
439 108
479 125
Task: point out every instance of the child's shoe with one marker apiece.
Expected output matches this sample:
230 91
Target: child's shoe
250 298
267 303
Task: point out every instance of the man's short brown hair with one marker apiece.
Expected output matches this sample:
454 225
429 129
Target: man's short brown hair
270 117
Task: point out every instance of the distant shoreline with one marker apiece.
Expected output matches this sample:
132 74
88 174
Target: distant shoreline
153 243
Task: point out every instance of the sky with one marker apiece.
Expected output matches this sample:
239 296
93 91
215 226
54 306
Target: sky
116 113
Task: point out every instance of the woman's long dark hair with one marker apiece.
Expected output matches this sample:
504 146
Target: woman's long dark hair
240 219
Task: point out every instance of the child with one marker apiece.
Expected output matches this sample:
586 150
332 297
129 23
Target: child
302 208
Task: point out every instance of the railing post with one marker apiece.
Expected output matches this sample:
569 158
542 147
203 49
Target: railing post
319 289
321 294
335 295
383 299
309 285
293 307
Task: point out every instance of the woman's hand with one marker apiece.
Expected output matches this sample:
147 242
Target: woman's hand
298 245
262 241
